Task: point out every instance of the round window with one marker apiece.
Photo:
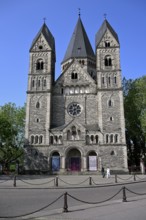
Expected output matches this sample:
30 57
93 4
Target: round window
74 109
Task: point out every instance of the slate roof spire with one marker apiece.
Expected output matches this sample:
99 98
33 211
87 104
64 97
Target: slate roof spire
105 25
48 36
79 45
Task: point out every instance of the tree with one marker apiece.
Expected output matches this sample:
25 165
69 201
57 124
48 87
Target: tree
135 118
11 133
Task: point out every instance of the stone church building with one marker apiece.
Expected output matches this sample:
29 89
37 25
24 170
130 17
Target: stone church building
75 123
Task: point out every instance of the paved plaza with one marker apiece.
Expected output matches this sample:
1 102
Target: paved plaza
132 209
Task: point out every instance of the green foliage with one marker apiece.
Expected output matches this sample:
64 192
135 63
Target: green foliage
11 133
135 117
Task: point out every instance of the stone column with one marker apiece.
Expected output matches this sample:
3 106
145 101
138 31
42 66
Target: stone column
62 164
84 164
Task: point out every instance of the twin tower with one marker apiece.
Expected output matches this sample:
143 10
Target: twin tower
75 123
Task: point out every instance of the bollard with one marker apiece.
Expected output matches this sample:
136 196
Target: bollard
14 184
56 180
65 208
90 180
134 177
124 194
116 178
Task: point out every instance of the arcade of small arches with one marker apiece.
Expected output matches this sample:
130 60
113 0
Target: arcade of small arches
74 90
38 82
90 139
73 135
109 80
36 139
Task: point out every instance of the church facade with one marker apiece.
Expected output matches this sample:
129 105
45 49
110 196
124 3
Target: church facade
75 123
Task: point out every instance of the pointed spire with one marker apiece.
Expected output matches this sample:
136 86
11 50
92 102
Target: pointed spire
79 45
105 25
47 34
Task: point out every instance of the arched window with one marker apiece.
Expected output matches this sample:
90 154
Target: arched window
102 79
115 80
37 105
96 138
111 118
107 138
51 139
92 138
116 138
40 64
44 82
68 135
37 120
56 139
41 139
33 83
112 153
110 103
108 61
74 132
32 139
107 44
36 139
79 134
74 76
111 138
39 83
60 139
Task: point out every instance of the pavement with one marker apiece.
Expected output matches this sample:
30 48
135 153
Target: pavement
132 209
64 181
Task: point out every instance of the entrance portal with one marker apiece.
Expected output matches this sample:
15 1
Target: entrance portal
92 161
73 162
55 161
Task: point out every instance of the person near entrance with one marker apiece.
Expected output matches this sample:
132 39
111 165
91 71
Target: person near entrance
108 172
102 171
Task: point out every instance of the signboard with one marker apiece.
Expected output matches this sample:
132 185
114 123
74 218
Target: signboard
92 163
55 163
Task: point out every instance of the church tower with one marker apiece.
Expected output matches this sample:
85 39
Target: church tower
110 93
39 91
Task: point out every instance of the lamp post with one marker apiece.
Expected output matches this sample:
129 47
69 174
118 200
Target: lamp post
132 154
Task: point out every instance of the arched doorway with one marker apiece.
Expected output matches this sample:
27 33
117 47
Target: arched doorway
55 161
92 161
73 160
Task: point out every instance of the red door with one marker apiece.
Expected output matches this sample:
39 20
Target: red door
74 163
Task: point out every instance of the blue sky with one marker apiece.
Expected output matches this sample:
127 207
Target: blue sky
20 21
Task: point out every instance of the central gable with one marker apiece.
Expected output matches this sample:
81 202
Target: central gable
75 74
74 124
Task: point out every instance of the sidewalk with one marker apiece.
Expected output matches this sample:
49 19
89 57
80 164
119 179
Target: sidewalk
134 209
67 181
